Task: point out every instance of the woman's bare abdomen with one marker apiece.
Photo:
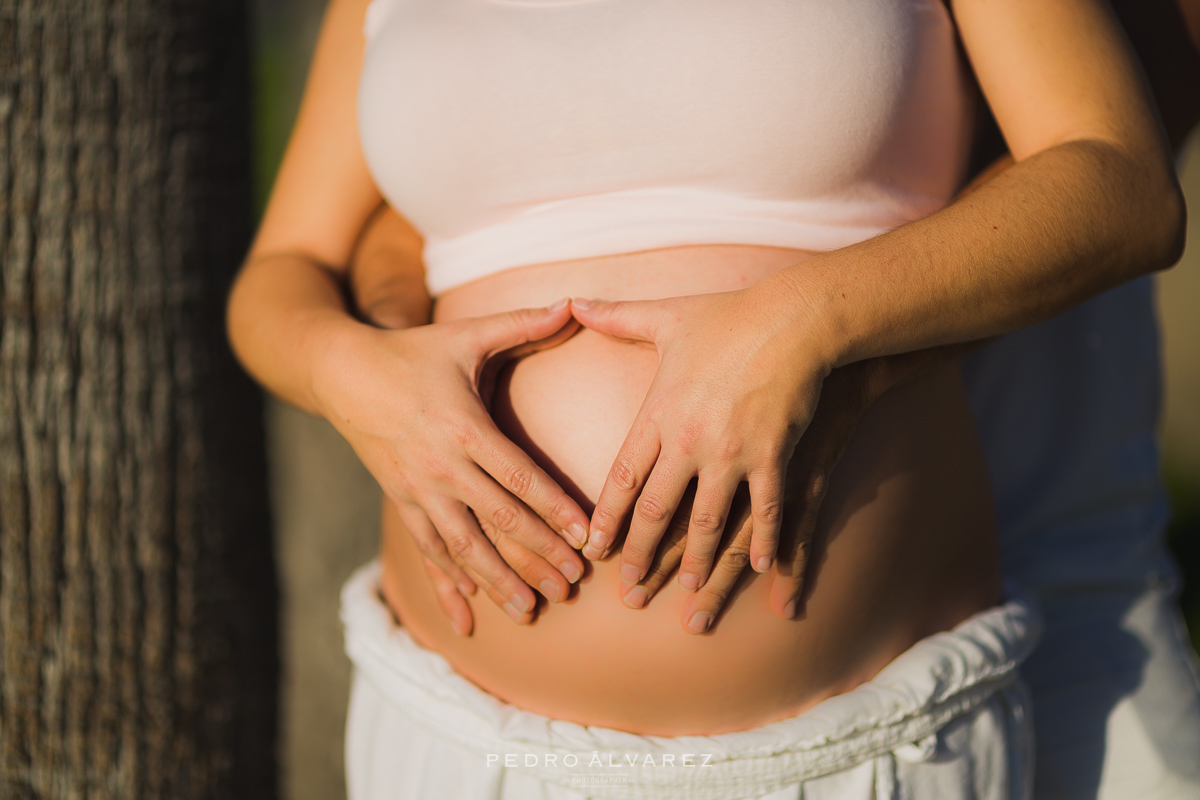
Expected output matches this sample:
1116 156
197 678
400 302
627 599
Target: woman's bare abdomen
906 544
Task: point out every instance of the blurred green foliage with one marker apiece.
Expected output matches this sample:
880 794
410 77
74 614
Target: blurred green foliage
274 109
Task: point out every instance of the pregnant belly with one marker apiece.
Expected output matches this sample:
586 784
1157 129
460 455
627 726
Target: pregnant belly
906 544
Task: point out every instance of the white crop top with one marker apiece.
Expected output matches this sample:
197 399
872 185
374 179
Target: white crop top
517 132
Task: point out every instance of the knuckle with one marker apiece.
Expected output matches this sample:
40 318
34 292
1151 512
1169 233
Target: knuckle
774 455
460 543
658 407
489 530
652 509
707 521
737 556
426 547
768 512
558 509
818 485
505 517
731 448
604 519
461 429
518 479
519 318
432 466
624 475
689 436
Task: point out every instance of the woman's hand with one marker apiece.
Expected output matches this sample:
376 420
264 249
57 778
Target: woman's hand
413 405
738 381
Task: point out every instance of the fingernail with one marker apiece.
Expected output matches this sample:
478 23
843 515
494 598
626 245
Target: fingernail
557 304
630 573
699 622
597 541
764 564
521 604
458 630
636 597
571 572
689 582
789 611
576 535
550 590
512 612
582 302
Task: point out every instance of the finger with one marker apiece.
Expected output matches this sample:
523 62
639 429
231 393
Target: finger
495 333
500 600
512 468
534 569
787 582
714 496
490 365
766 512
504 604
638 320
512 518
621 488
418 525
569 329
449 598
666 559
652 513
461 532
702 609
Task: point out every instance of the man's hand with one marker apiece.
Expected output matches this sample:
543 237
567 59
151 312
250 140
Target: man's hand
845 396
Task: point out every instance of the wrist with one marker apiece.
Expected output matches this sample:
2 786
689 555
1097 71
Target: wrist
795 300
333 343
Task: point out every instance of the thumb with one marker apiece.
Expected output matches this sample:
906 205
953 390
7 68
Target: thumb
637 320
496 333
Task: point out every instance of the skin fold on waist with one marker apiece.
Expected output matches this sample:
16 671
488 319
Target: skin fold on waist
906 544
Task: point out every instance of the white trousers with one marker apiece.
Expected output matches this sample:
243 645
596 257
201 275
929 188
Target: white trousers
947 719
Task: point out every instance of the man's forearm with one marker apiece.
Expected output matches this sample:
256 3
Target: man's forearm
1038 238
387 273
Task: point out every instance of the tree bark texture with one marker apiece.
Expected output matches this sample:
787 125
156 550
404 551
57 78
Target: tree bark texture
138 652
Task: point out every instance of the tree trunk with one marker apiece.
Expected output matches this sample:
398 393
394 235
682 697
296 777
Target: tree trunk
137 599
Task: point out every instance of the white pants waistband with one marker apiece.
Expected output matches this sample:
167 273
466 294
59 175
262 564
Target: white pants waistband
951 695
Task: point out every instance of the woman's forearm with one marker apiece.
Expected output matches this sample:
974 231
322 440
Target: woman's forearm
283 311
1047 233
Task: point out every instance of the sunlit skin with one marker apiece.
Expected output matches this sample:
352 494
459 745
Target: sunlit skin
387 286
906 544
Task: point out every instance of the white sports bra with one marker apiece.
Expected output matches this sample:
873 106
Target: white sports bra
517 132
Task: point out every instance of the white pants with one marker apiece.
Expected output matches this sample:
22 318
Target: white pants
948 719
